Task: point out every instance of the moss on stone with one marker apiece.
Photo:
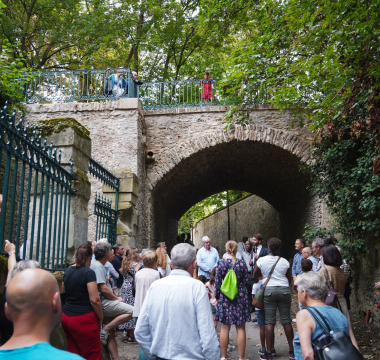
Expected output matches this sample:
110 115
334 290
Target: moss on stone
48 127
78 173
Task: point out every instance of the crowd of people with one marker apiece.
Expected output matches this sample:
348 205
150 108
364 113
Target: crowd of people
171 306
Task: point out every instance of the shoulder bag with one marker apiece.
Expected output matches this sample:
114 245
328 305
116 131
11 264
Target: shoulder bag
332 346
229 286
258 300
331 297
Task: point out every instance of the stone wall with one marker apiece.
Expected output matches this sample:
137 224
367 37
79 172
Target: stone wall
118 143
248 216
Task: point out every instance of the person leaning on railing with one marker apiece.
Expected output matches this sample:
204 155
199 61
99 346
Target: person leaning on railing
82 312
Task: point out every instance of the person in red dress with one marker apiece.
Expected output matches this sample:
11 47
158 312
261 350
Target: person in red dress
207 88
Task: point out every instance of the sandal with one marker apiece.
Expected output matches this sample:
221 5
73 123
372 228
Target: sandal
126 340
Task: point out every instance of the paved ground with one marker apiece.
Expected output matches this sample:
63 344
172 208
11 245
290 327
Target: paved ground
130 351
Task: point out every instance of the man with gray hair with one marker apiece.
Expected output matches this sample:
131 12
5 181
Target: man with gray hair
317 245
207 258
175 321
307 253
115 311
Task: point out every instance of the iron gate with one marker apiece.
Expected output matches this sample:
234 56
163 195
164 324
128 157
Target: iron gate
36 195
106 216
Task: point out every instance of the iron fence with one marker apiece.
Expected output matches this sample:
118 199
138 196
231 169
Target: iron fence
36 195
79 85
195 93
106 216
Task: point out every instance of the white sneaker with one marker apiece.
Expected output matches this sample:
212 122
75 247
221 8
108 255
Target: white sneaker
294 320
231 347
103 335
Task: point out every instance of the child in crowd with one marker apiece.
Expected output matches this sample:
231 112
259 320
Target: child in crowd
261 321
210 285
306 266
207 88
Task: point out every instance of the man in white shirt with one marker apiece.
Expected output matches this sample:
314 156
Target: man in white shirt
175 321
207 258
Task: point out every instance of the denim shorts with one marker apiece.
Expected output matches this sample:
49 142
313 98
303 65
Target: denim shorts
277 297
260 317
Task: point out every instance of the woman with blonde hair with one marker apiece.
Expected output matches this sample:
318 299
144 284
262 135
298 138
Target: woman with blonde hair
232 312
127 291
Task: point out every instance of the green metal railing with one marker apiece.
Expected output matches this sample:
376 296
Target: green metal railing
99 84
78 85
106 216
193 93
36 195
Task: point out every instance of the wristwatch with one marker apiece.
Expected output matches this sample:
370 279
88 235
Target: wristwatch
11 253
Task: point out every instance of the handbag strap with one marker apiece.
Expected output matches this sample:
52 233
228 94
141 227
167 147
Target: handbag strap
325 326
69 276
271 272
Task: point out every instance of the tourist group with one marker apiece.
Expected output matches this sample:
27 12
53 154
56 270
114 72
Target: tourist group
171 306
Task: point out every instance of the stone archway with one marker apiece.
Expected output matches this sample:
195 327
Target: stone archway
257 158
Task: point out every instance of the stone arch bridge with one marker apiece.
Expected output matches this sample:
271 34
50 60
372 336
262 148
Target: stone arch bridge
176 157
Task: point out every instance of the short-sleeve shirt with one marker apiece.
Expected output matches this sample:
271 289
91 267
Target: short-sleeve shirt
101 277
278 277
116 262
40 351
77 299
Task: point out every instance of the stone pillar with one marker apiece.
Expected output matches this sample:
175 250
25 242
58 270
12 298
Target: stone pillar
127 222
74 142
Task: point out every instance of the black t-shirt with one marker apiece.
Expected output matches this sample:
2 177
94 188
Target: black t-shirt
116 262
77 299
6 326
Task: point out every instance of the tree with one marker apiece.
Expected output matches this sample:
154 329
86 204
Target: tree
53 33
207 207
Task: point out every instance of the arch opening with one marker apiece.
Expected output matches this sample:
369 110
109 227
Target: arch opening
268 171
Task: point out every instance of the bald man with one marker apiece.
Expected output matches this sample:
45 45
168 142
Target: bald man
34 306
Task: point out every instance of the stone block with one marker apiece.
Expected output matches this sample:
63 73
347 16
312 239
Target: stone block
128 103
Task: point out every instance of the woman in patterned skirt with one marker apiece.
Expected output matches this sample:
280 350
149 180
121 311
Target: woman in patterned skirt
232 312
129 263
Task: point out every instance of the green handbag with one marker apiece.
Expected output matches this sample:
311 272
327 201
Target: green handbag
229 285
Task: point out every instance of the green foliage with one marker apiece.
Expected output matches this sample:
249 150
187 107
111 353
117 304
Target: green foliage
12 76
311 233
207 207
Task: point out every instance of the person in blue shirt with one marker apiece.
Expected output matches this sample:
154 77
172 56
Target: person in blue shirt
307 253
34 306
311 293
296 268
207 258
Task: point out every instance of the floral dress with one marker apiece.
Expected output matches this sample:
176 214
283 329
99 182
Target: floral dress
237 311
127 296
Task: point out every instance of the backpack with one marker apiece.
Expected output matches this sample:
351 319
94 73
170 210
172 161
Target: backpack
229 285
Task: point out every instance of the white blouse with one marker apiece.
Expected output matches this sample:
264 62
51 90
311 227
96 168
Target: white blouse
143 279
